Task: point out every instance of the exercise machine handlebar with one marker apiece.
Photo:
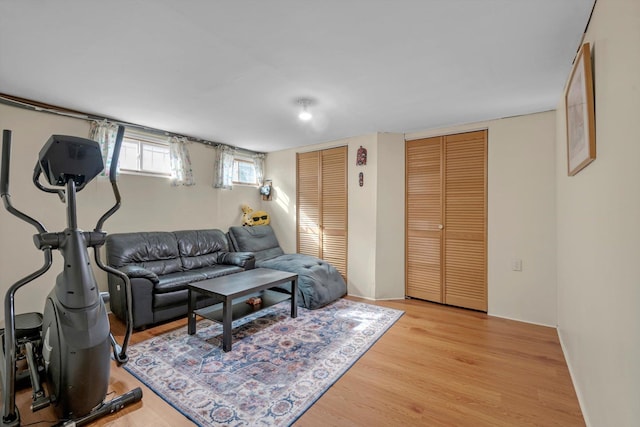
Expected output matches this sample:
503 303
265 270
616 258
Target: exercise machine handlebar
9 414
37 171
119 351
6 151
112 178
4 184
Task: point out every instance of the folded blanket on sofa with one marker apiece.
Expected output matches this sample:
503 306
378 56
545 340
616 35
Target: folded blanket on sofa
319 282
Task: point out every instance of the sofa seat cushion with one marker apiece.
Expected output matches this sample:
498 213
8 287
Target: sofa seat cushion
319 282
172 288
178 299
177 281
219 270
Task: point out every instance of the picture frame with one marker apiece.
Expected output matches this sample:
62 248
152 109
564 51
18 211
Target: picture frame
580 113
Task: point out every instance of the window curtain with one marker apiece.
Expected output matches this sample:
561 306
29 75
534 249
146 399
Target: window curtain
181 171
258 164
105 134
223 167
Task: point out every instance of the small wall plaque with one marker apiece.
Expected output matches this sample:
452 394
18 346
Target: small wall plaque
361 157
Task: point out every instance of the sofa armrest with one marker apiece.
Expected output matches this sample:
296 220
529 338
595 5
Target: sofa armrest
245 260
134 271
141 300
143 282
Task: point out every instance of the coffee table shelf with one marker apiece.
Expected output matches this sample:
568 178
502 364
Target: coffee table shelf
241 308
234 290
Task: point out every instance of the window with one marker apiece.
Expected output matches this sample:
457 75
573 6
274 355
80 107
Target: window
244 171
145 153
232 166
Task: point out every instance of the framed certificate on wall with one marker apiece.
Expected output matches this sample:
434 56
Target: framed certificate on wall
579 105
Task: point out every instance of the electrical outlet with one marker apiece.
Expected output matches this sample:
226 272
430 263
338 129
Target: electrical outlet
516 264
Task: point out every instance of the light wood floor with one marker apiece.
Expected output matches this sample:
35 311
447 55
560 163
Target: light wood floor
437 366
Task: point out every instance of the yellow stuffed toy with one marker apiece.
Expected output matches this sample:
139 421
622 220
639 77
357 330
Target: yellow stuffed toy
260 218
251 217
246 215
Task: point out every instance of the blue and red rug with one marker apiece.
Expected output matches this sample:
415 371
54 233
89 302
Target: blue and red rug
277 369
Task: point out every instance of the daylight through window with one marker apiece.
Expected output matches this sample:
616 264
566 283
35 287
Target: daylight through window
145 153
244 171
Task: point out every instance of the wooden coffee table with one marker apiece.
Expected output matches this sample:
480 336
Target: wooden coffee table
234 290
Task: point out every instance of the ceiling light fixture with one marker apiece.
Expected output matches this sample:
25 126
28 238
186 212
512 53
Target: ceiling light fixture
304 115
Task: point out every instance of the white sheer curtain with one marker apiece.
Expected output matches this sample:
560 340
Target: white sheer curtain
104 133
181 171
258 163
223 167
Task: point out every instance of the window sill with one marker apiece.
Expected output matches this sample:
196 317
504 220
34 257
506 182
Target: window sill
138 173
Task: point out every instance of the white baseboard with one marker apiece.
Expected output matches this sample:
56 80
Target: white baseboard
376 299
523 321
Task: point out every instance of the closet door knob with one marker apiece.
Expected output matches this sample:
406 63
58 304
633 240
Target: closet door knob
440 226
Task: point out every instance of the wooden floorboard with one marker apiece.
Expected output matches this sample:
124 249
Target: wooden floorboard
437 366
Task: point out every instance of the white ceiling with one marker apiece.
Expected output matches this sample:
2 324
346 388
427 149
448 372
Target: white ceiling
231 72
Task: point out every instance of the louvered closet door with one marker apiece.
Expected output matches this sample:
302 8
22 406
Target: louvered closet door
322 205
308 203
446 213
465 220
424 219
334 208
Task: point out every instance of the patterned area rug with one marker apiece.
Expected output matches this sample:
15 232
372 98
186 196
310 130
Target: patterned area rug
277 369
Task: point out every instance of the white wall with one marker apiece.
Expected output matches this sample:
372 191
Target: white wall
521 215
147 203
599 229
390 210
363 217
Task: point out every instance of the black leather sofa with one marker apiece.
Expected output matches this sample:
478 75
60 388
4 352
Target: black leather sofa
161 264
319 282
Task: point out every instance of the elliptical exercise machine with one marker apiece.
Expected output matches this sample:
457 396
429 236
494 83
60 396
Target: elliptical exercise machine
69 344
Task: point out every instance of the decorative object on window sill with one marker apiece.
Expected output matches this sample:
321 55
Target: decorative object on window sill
266 190
361 179
581 136
361 157
251 217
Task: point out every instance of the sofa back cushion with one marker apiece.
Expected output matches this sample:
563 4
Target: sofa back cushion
261 240
200 248
156 251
